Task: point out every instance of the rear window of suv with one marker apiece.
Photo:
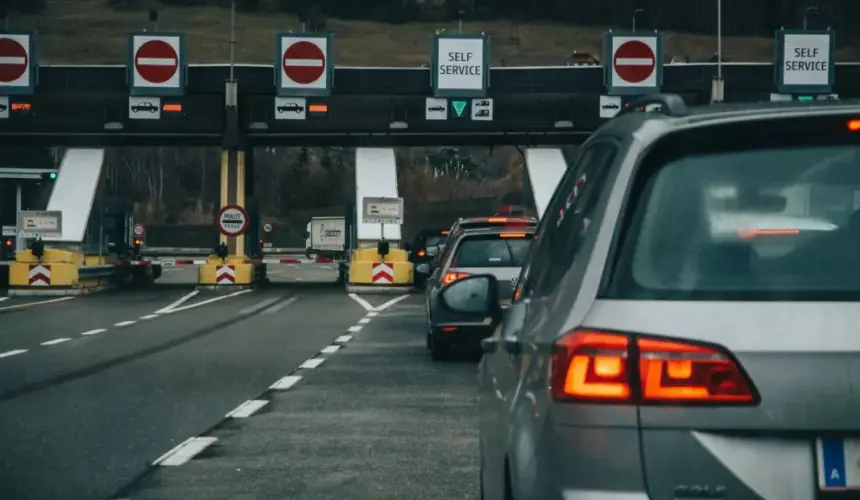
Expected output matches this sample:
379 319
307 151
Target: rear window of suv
761 224
492 251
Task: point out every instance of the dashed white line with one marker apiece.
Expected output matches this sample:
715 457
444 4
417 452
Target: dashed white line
277 307
125 323
3 298
185 451
95 332
247 408
31 304
149 316
12 353
286 382
372 314
363 303
312 363
55 341
343 339
330 349
364 321
207 301
354 329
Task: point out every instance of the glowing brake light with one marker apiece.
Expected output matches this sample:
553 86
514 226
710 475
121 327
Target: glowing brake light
421 253
446 233
449 278
854 125
617 368
497 220
512 235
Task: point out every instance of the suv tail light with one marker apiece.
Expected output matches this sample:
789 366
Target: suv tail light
449 278
616 368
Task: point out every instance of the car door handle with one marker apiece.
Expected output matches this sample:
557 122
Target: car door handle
490 345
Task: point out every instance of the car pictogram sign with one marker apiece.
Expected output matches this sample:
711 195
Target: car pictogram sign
17 68
305 65
157 64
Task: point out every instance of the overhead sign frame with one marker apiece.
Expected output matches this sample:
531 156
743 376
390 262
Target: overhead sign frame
157 90
609 70
35 224
28 84
780 46
303 91
376 210
452 91
242 230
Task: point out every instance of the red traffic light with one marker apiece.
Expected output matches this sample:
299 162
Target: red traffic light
8 243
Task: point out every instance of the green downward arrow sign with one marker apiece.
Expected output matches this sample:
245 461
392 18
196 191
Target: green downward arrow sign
459 107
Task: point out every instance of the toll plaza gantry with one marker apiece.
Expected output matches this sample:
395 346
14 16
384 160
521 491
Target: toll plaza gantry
304 99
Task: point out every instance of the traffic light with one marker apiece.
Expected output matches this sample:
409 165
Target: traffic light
137 244
49 176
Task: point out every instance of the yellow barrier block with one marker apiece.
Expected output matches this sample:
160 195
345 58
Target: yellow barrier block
235 270
94 260
367 267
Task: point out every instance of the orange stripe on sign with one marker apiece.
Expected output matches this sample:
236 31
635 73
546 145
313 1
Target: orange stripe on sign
318 108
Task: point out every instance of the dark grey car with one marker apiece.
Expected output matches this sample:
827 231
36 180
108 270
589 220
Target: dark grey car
499 251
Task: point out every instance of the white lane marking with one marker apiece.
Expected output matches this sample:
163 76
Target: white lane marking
343 339
3 298
363 303
28 304
330 349
391 303
208 301
372 314
247 408
149 316
364 321
258 306
181 300
184 452
354 329
95 332
125 323
286 382
12 353
312 363
277 307
55 341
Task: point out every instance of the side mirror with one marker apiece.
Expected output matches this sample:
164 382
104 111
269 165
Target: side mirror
475 298
422 268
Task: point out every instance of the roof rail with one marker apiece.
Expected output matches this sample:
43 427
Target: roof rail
667 104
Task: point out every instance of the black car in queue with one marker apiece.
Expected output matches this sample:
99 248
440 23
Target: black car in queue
424 249
499 250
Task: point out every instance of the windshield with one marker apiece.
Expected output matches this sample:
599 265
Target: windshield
762 221
492 251
434 241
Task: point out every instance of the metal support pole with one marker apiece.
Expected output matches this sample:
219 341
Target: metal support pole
19 242
720 40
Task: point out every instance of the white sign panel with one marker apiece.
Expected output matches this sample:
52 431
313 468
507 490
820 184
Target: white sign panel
291 108
304 65
40 224
610 105
156 63
382 210
806 59
4 107
15 61
482 110
635 62
9 230
460 66
144 108
435 108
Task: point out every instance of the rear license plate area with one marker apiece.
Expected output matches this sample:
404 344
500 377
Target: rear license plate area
837 463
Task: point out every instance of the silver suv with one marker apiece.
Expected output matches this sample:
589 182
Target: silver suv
686 325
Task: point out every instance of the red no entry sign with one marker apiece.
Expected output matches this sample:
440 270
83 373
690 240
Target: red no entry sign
156 61
14 60
634 61
304 62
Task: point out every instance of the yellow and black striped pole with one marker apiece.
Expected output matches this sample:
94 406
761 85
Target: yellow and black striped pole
233 193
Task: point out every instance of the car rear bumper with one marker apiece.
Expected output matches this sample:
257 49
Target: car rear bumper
467 336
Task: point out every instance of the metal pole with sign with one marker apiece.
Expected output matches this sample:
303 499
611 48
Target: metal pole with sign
40 224
382 211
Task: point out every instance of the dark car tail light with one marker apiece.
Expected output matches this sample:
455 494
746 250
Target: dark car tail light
589 365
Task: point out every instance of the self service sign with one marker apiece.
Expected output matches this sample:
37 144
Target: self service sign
461 65
804 61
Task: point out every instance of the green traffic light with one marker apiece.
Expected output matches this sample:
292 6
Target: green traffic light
805 98
52 175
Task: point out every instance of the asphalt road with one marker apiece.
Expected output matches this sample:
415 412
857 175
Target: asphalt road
95 388
277 273
374 419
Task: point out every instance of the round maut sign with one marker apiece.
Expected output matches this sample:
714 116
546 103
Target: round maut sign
232 220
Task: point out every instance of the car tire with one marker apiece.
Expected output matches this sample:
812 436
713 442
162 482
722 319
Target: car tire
439 349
